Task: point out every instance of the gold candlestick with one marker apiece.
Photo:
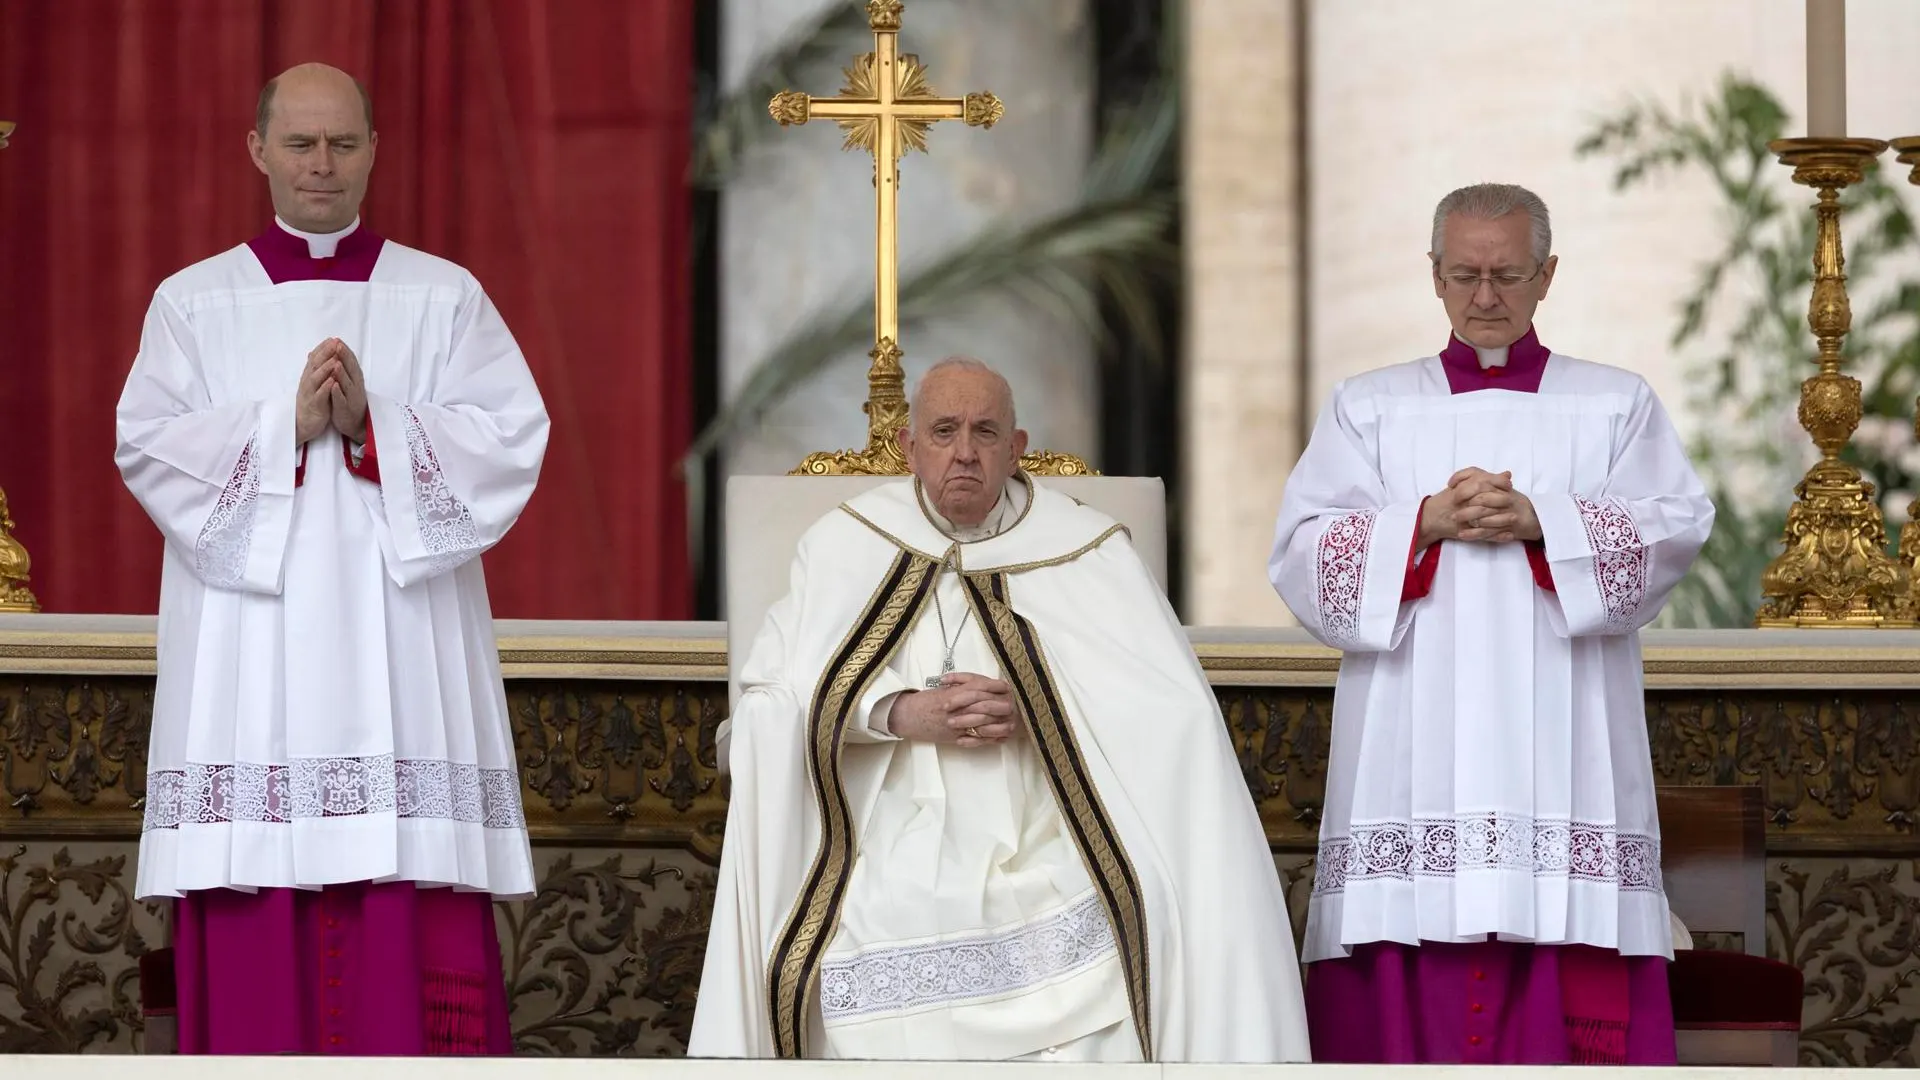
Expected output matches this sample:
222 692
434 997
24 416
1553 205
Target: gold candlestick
14 563
1908 150
1835 570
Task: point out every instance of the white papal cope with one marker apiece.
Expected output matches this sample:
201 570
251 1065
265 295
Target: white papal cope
1099 886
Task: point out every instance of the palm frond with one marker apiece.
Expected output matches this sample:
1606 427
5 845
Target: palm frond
738 120
1112 245
1057 263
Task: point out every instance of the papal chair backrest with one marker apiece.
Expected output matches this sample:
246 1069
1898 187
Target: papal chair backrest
767 515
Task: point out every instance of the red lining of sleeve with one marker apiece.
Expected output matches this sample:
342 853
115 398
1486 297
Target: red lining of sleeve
1537 561
369 467
1421 565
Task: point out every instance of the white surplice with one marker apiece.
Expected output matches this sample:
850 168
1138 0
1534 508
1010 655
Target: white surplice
972 926
329 706
1490 773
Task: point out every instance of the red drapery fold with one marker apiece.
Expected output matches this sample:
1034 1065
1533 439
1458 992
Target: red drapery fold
542 145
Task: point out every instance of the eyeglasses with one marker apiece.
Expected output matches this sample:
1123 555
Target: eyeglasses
1502 283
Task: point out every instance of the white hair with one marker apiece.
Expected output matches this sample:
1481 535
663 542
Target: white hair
959 363
1488 202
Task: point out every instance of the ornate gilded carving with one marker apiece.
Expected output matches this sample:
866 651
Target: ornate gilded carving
885 117
1908 150
629 762
883 16
622 791
982 110
886 410
788 108
73 751
594 968
622 761
6 129
71 939
1834 569
14 563
1853 927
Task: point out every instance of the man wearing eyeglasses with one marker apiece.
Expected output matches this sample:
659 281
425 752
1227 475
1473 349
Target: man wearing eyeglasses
1483 533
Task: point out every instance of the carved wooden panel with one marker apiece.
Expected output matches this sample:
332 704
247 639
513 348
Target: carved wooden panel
627 806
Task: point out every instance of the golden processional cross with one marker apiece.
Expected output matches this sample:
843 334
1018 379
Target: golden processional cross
14 594
885 109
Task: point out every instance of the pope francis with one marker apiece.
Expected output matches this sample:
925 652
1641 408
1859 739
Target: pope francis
984 805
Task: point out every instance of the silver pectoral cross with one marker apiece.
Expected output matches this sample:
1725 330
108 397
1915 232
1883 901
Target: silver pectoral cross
946 668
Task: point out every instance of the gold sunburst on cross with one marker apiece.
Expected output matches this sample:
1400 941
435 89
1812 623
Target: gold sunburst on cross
886 109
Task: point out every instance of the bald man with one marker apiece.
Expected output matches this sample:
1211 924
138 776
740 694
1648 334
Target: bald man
329 429
984 806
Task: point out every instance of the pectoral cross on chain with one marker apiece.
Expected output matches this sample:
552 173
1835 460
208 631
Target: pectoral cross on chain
939 611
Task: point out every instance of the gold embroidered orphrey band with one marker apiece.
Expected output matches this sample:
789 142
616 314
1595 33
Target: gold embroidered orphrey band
1017 648
793 974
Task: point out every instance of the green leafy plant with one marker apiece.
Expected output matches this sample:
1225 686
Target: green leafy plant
1749 449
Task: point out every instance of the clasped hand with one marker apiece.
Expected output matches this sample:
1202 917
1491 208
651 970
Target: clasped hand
1478 505
966 710
332 393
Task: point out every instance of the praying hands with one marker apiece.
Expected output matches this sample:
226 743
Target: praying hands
966 710
1480 506
332 392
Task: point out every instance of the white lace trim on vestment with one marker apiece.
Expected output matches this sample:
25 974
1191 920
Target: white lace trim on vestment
1341 573
1443 847
894 979
446 525
220 552
309 788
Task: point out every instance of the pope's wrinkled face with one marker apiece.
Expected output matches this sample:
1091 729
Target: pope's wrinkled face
317 150
963 445
1486 276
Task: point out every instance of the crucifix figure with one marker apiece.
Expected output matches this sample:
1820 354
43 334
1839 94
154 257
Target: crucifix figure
885 109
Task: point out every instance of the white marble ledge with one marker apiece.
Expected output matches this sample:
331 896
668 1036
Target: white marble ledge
1232 656
88 1067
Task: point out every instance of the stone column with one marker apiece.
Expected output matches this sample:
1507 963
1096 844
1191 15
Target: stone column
797 220
1244 366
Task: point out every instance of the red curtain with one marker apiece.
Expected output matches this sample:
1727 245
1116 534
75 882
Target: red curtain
543 145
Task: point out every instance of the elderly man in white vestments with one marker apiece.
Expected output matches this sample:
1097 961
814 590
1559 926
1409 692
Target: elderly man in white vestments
1484 532
329 429
984 805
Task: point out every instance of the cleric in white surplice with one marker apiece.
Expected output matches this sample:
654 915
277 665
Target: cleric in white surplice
984 805
329 429
1483 532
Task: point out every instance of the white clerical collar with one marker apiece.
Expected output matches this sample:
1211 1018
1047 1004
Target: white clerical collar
319 245
1013 500
1489 358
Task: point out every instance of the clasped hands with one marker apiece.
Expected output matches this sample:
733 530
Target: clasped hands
332 393
966 710
1481 506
